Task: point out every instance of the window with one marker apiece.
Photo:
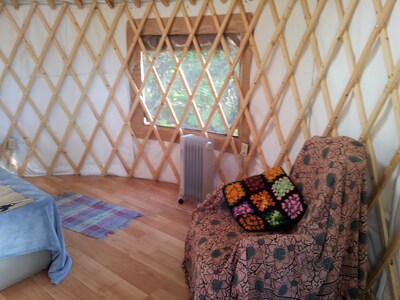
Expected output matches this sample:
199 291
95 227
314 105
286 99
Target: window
193 99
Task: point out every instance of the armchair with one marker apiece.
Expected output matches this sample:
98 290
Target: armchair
323 257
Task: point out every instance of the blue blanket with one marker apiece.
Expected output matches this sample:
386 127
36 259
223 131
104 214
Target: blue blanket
33 227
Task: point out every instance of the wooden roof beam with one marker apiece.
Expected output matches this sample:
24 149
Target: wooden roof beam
52 4
15 4
79 3
110 3
165 2
138 3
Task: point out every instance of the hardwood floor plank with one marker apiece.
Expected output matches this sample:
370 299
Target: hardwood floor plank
72 289
164 264
103 281
141 261
161 295
27 289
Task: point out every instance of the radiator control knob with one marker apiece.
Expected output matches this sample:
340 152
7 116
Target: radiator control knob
209 145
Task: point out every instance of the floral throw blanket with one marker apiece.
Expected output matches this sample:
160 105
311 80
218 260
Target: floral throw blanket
323 257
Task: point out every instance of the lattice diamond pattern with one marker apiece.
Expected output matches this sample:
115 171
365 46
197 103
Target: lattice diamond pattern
68 113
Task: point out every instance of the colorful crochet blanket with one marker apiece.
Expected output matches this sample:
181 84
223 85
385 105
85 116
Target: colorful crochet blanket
266 202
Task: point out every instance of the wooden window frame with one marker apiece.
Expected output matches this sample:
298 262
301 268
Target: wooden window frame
206 26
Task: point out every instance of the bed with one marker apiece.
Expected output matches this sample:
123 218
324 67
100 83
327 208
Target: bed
31 236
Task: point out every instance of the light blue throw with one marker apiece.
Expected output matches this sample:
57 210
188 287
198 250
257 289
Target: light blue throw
33 227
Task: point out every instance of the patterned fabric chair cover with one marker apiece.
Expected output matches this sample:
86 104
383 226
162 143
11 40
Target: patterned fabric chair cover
323 257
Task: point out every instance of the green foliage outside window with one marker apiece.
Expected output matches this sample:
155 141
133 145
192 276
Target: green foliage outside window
178 96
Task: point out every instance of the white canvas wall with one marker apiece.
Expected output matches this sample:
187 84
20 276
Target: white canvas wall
23 64
78 81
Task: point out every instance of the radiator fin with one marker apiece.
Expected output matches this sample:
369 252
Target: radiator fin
197 167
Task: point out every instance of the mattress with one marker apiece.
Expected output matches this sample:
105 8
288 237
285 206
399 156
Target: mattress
17 268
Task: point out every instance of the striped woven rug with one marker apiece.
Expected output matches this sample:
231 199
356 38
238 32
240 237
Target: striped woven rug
92 217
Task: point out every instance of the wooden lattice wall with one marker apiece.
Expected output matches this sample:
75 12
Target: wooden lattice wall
314 72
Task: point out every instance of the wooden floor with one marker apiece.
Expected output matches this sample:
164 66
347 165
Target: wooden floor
141 261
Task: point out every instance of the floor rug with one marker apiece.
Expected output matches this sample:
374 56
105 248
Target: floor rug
92 217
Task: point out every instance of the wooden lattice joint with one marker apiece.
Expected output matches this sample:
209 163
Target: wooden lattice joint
272 124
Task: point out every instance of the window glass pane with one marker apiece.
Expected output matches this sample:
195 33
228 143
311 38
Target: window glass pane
229 103
191 69
152 95
191 121
204 99
216 124
165 118
178 97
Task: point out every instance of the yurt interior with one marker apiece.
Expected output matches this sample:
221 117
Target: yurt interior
109 99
